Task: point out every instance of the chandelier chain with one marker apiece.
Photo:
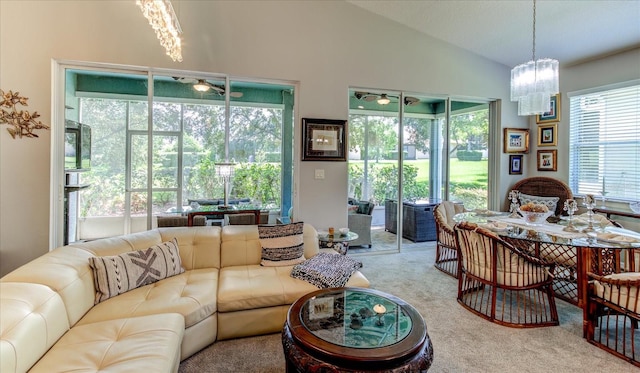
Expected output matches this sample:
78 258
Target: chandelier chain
533 51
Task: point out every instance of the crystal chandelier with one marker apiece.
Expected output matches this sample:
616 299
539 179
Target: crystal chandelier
534 82
224 171
164 22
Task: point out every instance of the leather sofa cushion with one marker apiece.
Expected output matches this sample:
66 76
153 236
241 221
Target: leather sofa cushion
241 245
255 286
140 344
33 318
191 294
65 270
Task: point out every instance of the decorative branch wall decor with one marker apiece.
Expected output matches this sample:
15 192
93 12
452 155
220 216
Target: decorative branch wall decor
23 122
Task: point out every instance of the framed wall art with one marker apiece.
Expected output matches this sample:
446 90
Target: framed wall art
515 164
553 115
547 134
516 140
324 140
547 160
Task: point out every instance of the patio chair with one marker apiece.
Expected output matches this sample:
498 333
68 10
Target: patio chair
502 284
360 222
246 219
180 221
446 247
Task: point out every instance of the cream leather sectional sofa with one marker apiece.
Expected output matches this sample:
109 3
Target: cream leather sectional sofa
49 322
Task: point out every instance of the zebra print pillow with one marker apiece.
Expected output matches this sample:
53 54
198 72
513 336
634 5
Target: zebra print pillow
113 275
282 245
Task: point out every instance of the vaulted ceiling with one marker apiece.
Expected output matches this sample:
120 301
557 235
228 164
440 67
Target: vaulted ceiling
571 31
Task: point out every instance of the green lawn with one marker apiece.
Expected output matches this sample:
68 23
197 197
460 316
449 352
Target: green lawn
471 174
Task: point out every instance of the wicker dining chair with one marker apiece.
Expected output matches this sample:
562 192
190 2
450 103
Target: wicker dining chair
544 187
613 314
446 246
502 284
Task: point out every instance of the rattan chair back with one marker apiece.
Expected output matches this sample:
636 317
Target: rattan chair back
501 283
544 187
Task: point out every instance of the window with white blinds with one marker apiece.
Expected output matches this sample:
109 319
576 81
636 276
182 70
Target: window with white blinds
605 142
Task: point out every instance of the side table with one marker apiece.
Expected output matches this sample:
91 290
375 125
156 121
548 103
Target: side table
338 242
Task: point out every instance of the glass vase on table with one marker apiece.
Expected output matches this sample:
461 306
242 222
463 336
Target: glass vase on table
590 204
513 208
570 206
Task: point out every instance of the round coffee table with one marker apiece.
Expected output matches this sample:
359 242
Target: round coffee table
355 329
338 242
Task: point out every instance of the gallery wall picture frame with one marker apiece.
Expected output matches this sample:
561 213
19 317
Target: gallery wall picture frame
553 115
548 134
324 139
548 160
515 164
516 140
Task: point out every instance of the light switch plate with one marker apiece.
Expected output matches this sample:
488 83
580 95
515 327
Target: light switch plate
319 173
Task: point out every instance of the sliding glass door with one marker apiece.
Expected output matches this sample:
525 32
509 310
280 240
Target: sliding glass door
439 144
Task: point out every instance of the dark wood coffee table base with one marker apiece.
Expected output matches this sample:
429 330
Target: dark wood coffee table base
298 360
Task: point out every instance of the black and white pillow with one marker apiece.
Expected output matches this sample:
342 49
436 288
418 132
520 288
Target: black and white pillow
117 274
550 202
282 245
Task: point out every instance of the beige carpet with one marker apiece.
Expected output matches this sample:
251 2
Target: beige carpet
462 342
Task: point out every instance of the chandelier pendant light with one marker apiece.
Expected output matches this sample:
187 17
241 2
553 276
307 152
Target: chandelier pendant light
165 23
534 82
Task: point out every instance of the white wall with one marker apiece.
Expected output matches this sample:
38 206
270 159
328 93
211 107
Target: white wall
327 46
614 69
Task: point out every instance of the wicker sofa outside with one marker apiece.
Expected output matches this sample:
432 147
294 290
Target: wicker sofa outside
50 322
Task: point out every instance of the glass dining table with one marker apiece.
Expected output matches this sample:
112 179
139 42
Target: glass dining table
602 249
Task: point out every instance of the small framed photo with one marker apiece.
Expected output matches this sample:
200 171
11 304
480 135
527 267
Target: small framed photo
548 160
320 308
516 140
547 134
515 164
553 115
324 140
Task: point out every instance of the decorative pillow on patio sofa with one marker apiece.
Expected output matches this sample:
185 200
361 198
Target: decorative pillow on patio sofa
326 270
282 245
550 202
113 275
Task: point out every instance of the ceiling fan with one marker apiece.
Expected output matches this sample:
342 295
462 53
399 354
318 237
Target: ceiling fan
383 98
202 85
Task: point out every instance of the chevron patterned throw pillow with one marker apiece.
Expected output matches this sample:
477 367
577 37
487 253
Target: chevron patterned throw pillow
113 275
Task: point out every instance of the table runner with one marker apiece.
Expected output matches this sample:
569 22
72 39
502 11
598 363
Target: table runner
548 228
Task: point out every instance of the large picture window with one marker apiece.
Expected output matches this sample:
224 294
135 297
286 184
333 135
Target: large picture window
605 142
156 156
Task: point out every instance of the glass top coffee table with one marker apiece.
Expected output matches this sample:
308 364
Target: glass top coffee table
338 242
355 329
